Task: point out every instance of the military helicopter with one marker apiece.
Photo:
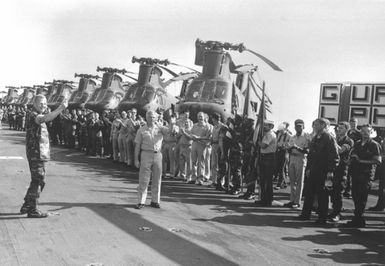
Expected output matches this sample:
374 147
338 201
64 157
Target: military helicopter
36 89
214 90
150 93
111 91
87 85
23 98
64 91
12 95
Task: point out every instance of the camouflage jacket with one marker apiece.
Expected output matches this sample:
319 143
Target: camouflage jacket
37 139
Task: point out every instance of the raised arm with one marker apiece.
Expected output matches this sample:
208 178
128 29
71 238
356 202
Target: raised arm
52 115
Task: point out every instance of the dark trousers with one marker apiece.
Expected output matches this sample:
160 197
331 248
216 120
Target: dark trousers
280 168
339 186
315 187
380 172
37 184
336 194
223 167
266 165
360 189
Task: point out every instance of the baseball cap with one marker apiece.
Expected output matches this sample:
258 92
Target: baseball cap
299 122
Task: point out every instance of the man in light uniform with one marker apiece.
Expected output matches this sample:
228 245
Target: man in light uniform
122 143
148 144
298 148
184 144
208 150
200 134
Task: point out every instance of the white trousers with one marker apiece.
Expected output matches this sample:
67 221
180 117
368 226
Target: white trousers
297 165
150 165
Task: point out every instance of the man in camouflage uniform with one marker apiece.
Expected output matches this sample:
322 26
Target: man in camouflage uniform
38 153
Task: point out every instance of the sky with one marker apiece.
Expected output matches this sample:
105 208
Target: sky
312 41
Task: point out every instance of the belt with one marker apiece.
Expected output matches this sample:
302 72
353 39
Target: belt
151 151
215 142
297 155
171 141
267 155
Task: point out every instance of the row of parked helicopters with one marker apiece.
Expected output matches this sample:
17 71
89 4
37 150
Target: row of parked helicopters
221 86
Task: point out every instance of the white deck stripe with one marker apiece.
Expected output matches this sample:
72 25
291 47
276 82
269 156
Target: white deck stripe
11 158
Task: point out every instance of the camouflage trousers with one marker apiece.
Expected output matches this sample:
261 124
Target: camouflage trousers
236 170
37 184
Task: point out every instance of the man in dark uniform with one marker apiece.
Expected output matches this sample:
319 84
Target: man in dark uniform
224 141
11 114
266 163
248 158
106 131
355 135
282 156
236 156
38 153
380 174
364 159
344 145
323 159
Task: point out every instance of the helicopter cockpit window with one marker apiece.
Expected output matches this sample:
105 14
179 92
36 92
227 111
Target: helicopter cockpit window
194 91
148 93
208 90
220 91
159 99
131 93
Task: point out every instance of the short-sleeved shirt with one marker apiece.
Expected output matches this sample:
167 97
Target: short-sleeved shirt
186 125
302 141
365 152
271 140
150 139
201 130
132 125
37 139
115 127
124 129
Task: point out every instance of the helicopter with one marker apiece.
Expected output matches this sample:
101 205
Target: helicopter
63 91
12 95
36 90
87 86
214 90
149 93
111 91
23 98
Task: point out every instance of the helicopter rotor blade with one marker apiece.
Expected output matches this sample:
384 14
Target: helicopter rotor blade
168 70
267 61
185 76
174 64
130 77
